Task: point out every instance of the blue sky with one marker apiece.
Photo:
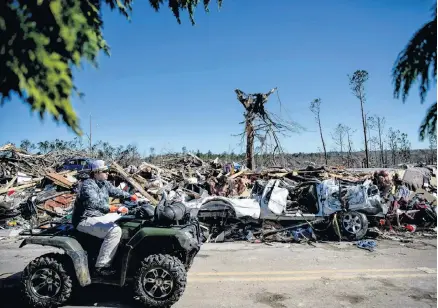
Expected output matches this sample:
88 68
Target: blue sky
168 85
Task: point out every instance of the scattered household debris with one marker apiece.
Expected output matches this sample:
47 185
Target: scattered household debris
367 245
232 202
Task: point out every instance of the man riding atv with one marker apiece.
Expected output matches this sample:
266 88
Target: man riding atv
151 249
93 215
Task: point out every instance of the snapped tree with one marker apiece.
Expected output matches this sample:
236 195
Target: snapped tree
315 107
262 124
417 62
42 41
357 84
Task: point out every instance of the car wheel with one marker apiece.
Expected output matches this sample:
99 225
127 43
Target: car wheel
354 225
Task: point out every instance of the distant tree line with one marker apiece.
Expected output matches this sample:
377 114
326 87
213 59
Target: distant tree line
394 149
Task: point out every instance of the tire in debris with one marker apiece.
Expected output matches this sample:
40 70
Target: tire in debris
160 281
354 225
47 282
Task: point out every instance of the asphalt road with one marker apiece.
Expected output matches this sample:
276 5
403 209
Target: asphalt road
278 276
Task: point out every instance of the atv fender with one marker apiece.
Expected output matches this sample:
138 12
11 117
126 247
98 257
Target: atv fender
72 248
149 237
173 236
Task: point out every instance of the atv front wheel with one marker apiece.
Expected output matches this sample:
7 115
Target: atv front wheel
46 281
160 281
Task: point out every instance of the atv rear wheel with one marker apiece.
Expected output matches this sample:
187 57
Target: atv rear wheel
46 281
160 281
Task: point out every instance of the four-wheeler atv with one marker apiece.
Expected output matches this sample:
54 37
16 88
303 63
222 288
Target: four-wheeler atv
156 250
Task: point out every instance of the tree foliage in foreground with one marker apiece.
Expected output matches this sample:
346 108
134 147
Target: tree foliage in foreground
417 62
41 41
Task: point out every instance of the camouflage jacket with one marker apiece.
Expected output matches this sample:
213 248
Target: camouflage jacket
93 199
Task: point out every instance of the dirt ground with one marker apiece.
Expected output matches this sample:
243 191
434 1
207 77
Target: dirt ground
276 276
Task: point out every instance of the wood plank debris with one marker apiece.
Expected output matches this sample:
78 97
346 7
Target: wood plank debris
134 183
59 180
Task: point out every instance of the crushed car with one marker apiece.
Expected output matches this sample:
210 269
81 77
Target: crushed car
356 206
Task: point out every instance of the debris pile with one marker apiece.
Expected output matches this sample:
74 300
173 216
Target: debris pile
14 161
232 202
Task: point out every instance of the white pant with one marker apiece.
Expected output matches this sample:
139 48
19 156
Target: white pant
103 227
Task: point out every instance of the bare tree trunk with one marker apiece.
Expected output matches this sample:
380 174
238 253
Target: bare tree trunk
381 151
386 157
364 123
349 149
323 143
357 82
338 138
315 107
249 143
91 147
342 145
350 146
379 126
377 154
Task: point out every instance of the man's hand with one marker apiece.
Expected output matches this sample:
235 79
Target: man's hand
122 210
119 209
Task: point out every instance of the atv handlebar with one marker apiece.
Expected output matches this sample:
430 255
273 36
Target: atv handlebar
133 204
